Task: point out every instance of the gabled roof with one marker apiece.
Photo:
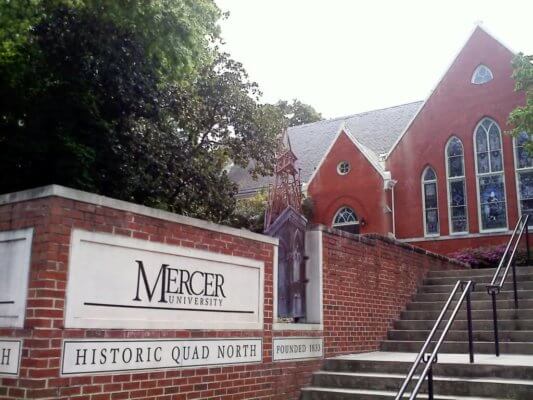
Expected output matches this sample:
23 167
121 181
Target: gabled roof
477 28
375 131
372 157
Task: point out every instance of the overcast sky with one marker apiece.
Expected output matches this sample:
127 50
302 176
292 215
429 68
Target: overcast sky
348 56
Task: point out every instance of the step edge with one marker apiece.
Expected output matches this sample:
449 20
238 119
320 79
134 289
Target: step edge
442 378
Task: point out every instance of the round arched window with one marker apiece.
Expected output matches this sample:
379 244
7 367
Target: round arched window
343 167
346 220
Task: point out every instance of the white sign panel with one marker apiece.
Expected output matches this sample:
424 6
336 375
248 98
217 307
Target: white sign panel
105 356
10 357
120 282
297 348
15 253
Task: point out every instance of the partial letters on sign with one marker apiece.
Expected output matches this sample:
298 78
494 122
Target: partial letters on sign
10 357
15 253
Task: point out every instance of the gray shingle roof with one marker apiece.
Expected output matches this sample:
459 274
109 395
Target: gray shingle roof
376 130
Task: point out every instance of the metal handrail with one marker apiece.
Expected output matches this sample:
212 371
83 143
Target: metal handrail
494 288
467 287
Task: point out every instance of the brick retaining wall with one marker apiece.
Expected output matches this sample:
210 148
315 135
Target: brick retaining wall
367 281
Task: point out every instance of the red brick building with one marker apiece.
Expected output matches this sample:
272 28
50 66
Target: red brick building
440 174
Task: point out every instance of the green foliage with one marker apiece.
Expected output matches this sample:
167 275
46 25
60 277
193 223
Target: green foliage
521 118
308 208
131 99
298 113
250 213
63 114
177 35
158 166
90 99
220 112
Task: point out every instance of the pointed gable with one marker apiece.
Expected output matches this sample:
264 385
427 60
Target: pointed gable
342 146
455 88
453 109
358 187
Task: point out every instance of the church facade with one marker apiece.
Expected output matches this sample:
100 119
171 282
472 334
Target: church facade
440 174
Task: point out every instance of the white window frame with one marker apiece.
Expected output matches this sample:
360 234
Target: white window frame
334 225
478 175
339 165
517 181
422 185
477 70
449 180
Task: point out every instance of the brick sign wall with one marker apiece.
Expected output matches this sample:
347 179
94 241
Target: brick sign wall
58 353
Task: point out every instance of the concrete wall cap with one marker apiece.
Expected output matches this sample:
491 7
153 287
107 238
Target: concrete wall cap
371 238
92 198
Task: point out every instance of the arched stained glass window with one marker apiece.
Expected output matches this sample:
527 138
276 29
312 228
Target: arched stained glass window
482 74
490 180
523 158
488 147
455 170
430 202
524 175
346 220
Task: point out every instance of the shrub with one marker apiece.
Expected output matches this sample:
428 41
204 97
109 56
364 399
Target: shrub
487 257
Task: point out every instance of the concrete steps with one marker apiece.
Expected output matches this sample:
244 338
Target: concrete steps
503 313
445 385
521 276
460 335
474 273
476 304
462 324
508 286
451 368
320 393
412 346
379 375
480 294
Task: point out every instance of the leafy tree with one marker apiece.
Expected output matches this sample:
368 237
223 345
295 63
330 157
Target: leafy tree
131 99
86 102
69 103
204 124
521 118
298 113
221 114
177 35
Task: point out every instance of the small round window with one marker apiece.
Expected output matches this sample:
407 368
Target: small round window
481 75
343 167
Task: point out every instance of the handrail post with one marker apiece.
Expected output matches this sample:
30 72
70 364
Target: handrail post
430 383
469 319
527 239
426 358
514 286
493 292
